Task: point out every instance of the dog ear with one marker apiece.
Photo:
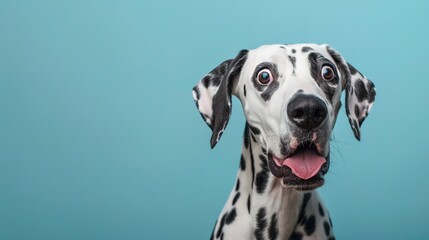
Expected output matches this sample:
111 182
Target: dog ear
360 92
212 94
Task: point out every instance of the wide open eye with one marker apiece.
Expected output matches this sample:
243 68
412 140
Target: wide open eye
264 76
327 73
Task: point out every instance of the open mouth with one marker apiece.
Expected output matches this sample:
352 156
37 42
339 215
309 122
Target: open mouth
303 169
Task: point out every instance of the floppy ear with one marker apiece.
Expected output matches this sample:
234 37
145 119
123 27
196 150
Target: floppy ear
360 92
212 94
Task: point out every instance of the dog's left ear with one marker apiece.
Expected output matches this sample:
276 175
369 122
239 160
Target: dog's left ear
360 92
212 94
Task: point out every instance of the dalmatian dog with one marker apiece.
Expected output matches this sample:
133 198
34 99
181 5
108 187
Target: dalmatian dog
290 95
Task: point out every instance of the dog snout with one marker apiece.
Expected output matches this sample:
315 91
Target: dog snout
307 111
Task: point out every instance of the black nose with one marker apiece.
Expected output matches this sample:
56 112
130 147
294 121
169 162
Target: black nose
307 111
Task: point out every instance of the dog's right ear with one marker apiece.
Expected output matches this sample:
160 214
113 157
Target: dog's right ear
212 94
360 92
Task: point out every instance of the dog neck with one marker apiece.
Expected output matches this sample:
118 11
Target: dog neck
267 203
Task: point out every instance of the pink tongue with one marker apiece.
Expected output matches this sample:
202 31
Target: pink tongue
305 164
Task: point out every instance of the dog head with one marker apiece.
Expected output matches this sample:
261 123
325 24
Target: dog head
291 97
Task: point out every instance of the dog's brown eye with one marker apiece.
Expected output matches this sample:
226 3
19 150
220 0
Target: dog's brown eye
327 73
264 77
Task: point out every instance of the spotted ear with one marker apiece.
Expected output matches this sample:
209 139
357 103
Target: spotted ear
212 94
360 95
360 92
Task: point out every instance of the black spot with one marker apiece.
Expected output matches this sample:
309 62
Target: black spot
273 231
231 216
222 222
293 61
305 200
242 163
262 176
215 76
331 238
317 61
371 93
293 50
310 225
327 228
248 203
306 49
267 91
254 130
218 73
238 62
322 213
360 90
215 81
352 69
261 223
330 221
244 90
253 169
264 65
206 81
197 92
237 195
314 65
296 236
357 110
300 91
252 164
246 136
271 89
282 47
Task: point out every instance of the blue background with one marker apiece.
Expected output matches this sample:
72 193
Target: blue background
100 138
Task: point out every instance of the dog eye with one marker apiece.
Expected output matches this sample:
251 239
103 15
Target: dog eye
264 77
327 73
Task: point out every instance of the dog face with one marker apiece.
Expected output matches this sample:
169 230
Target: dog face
291 97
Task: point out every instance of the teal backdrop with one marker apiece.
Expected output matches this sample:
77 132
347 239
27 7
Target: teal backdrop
100 137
